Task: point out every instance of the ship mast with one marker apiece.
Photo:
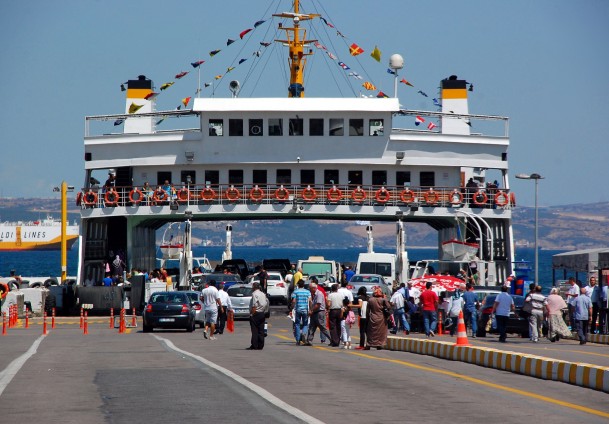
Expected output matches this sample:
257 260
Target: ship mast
296 42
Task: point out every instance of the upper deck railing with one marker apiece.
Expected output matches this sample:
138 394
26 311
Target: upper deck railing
229 194
109 123
474 121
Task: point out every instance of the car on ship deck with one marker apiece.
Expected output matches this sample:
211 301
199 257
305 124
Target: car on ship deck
171 309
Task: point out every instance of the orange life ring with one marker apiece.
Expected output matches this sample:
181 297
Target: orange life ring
111 198
132 196
79 198
334 194
480 198
5 290
183 194
208 194
358 195
282 194
501 198
431 197
513 199
256 194
90 198
407 196
456 197
382 195
232 194
309 194
160 195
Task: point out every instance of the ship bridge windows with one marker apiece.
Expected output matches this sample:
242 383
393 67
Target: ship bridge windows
402 178
307 177
255 127
355 178
331 176
216 127
337 126
212 177
235 127
356 127
235 176
316 126
427 179
259 177
275 126
376 127
379 178
284 176
296 126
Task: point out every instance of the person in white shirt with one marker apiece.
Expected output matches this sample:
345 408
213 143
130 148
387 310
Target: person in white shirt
225 306
571 297
345 292
211 303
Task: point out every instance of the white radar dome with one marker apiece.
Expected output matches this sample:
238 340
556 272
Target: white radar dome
396 61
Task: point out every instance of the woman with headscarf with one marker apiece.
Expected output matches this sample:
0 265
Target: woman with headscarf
362 305
556 325
379 309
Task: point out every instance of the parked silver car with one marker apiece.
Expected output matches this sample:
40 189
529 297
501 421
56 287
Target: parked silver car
370 281
197 305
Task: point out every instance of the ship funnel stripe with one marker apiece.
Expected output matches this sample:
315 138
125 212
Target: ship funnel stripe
460 93
138 93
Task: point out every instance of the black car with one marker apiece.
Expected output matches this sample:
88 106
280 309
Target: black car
518 321
227 279
172 309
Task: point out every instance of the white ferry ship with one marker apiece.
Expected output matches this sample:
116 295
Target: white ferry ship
44 234
297 158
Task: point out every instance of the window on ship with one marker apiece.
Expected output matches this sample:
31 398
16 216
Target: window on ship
235 127
316 126
284 176
259 177
331 176
379 178
235 176
356 127
162 176
216 127
296 126
307 177
427 179
402 178
337 126
376 127
255 127
184 177
355 178
212 178
275 126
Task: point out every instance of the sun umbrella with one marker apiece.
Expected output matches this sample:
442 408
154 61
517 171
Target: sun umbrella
440 282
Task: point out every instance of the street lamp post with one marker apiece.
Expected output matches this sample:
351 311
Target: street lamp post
64 222
535 177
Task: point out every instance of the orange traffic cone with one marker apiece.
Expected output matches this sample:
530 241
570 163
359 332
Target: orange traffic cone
461 332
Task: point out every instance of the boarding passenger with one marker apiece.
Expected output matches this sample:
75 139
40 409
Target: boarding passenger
556 325
429 308
108 280
259 305
225 306
301 305
582 311
594 292
538 303
399 313
379 310
470 314
455 308
345 292
572 294
504 304
211 305
347 320
335 304
348 273
362 306
317 314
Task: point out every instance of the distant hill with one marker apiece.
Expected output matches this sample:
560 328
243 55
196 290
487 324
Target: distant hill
566 227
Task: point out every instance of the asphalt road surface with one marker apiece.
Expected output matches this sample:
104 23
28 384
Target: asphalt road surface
173 376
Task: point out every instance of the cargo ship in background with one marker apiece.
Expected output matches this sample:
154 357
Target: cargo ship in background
42 234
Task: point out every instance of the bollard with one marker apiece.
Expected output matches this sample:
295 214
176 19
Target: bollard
27 320
133 323
4 323
85 324
44 324
121 327
53 319
10 316
111 318
81 318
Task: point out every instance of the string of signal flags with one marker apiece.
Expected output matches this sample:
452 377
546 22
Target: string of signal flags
354 50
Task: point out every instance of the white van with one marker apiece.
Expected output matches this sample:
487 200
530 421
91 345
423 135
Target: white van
389 265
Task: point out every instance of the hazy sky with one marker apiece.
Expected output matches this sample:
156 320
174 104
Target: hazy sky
542 63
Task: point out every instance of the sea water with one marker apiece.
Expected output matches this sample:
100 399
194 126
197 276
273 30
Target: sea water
48 263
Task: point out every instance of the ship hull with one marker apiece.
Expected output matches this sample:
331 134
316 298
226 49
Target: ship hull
35 237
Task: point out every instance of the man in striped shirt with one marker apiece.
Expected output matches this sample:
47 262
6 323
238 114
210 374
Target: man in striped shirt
301 304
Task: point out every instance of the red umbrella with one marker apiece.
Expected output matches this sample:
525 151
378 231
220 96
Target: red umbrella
442 282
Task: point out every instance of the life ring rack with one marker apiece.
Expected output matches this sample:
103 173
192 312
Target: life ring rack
407 196
160 195
335 194
480 198
256 194
232 194
136 196
358 195
382 195
282 194
309 194
208 194
183 194
431 197
90 198
501 198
